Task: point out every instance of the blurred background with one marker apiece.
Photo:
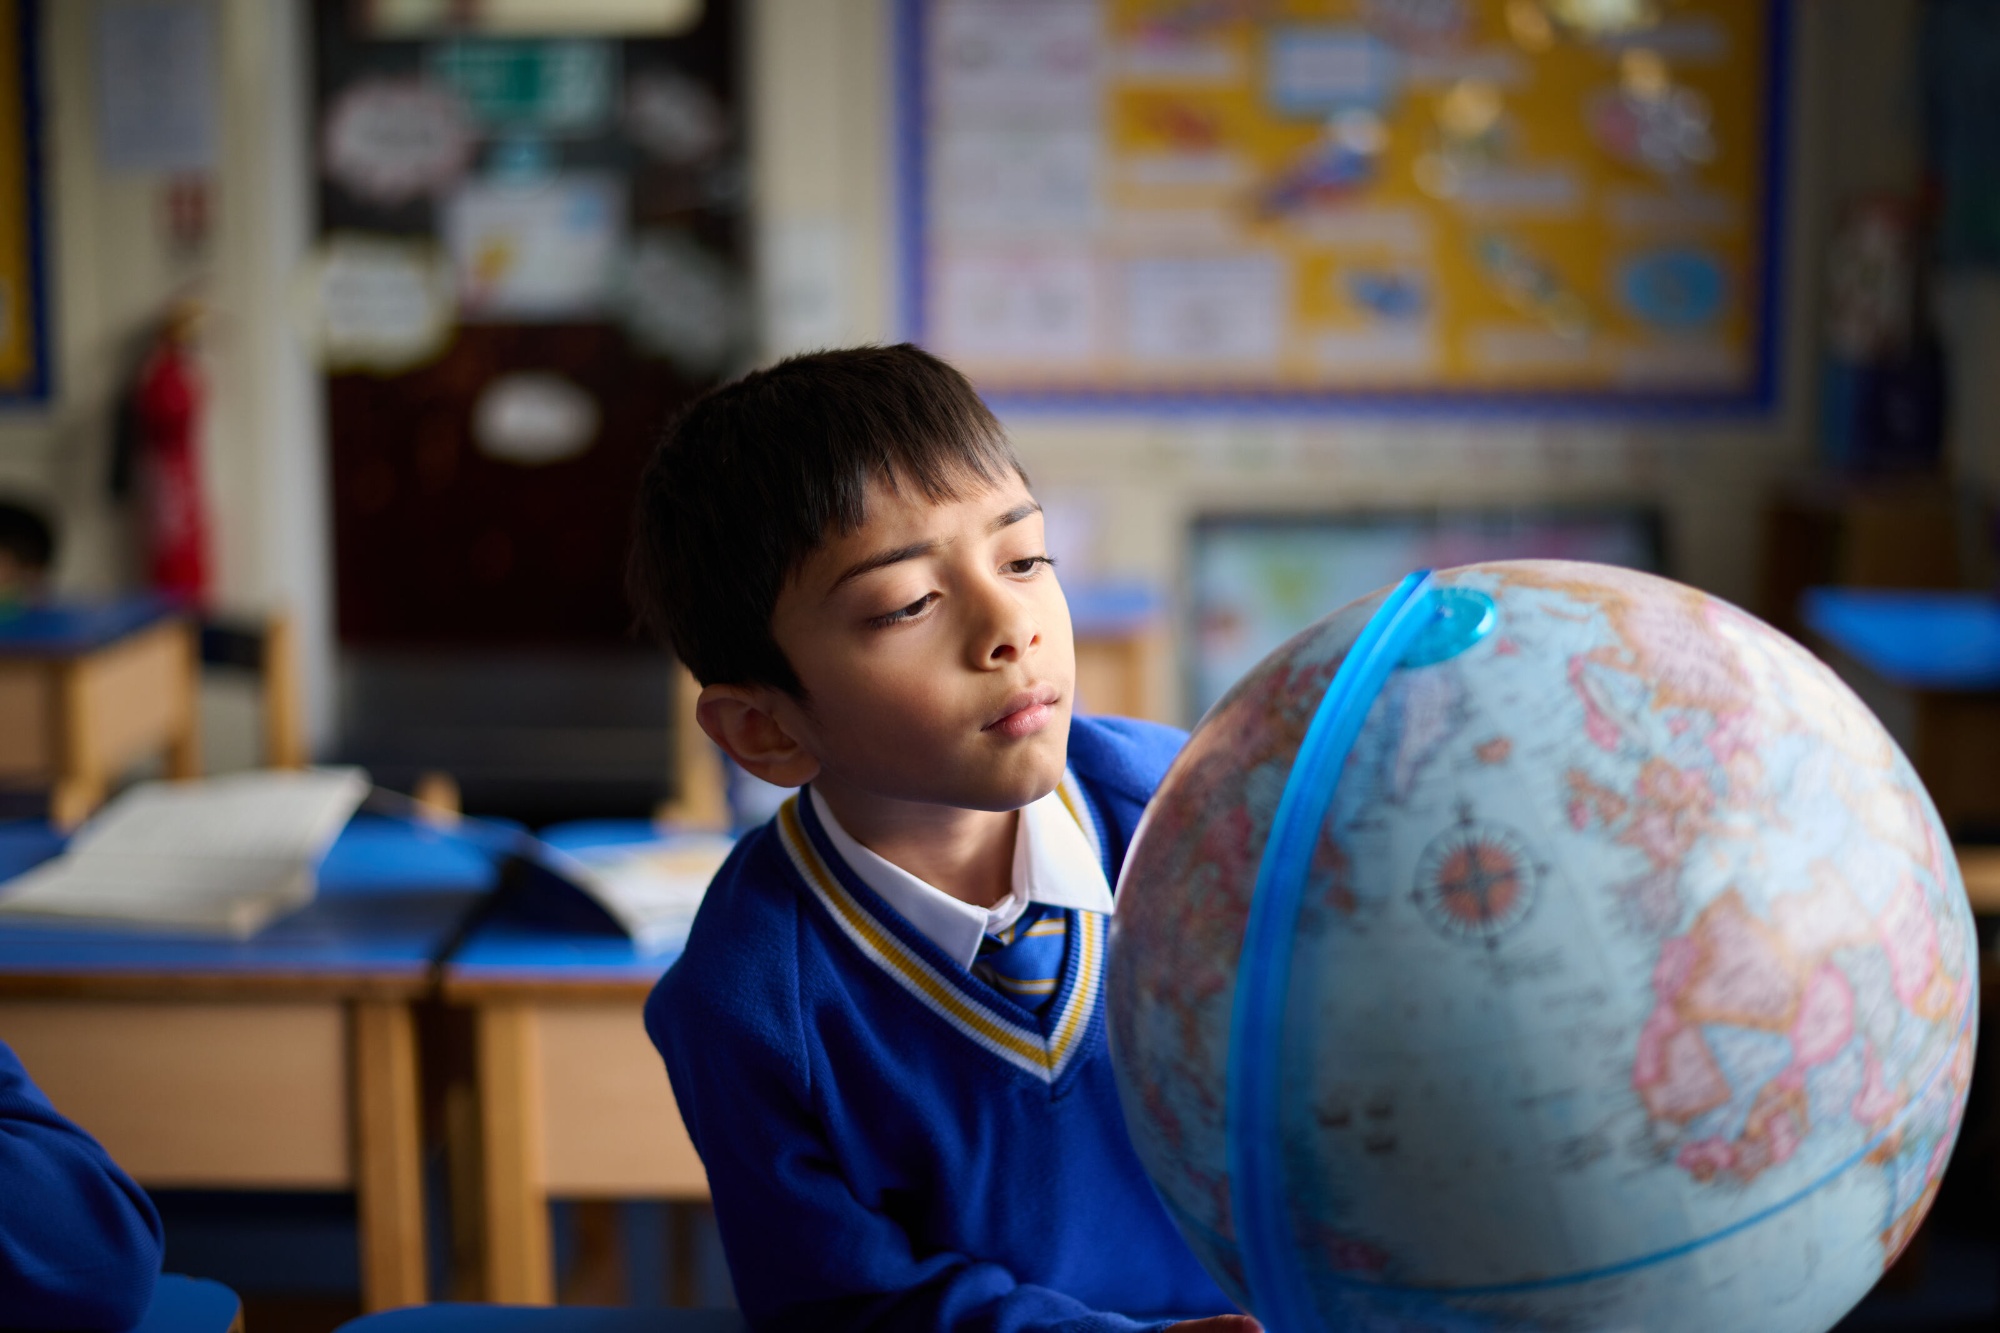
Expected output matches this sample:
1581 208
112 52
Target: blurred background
333 334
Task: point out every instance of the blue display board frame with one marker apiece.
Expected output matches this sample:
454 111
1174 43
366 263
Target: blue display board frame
912 102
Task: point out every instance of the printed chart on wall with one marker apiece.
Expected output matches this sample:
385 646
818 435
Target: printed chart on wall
1317 202
23 347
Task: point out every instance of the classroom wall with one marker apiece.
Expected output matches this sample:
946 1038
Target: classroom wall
822 108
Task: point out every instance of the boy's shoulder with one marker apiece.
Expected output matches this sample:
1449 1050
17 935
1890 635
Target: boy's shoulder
740 963
1123 756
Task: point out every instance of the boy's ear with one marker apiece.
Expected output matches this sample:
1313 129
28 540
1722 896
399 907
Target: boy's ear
741 719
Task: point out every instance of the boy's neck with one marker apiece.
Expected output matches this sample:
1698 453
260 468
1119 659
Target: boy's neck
968 854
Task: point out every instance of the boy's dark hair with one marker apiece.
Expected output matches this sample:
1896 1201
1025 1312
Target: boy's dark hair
26 535
750 479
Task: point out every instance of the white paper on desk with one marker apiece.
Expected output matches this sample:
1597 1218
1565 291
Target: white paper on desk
651 888
221 855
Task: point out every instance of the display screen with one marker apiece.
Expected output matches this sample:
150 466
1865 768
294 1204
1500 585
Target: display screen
1258 580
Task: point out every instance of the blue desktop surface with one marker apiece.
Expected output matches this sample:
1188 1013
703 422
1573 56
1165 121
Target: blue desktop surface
390 895
1919 640
523 1319
512 951
190 1305
509 948
64 629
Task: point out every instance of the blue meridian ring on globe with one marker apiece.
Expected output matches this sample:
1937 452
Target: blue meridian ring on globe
1632 984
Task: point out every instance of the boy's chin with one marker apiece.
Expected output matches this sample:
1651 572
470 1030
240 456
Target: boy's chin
1027 780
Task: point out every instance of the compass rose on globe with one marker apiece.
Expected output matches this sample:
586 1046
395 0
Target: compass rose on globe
1476 881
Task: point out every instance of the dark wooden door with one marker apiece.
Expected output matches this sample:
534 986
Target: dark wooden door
437 543
480 593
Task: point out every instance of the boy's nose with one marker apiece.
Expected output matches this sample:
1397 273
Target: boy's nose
1007 631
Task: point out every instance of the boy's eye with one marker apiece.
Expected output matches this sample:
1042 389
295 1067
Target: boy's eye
1027 566
910 612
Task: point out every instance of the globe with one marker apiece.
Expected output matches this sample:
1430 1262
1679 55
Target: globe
1542 945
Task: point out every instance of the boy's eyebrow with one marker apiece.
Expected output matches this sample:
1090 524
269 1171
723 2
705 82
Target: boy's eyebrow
1015 515
915 550
896 556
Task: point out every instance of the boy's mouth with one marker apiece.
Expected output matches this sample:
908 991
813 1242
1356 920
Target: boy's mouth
1026 712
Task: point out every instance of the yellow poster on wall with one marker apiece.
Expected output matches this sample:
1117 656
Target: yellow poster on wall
23 346
1318 202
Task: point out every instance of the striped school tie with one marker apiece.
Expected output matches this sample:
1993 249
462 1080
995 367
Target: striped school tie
1025 961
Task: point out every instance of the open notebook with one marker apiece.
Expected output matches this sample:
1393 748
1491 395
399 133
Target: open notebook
223 855
651 889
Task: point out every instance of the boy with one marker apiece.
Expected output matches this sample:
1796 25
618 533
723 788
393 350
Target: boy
885 1035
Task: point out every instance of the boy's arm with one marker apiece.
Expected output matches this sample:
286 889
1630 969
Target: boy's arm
79 1242
805 1253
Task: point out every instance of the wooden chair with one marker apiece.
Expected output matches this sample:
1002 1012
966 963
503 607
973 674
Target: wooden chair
88 692
267 647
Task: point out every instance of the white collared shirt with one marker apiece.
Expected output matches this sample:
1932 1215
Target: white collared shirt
1053 864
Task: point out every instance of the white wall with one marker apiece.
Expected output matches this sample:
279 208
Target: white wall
269 471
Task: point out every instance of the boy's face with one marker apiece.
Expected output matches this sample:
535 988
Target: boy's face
934 645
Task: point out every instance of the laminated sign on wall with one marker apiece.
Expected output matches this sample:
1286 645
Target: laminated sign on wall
1317 201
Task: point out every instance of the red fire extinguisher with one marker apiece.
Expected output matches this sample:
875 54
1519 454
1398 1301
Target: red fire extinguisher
168 404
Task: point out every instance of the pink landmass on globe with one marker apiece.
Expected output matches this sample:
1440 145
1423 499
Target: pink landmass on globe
1597 723
1825 1021
1875 1103
1745 975
1671 812
1909 938
1731 969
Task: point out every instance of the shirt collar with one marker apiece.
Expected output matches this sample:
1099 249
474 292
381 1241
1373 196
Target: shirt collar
1053 865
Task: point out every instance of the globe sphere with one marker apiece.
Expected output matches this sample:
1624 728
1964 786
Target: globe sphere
1628 981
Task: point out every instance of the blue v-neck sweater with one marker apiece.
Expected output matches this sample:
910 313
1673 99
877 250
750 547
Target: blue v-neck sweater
79 1242
891 1143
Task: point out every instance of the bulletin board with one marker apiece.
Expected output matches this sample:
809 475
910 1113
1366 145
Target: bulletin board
1327 203
24 369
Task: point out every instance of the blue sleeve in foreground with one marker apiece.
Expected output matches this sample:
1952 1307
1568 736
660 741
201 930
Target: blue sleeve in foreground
79 1241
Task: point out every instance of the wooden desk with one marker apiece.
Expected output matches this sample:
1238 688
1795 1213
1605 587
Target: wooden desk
87 691
287 1061
572 1100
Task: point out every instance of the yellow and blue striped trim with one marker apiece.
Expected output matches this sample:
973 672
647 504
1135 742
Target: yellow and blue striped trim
1020 1044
